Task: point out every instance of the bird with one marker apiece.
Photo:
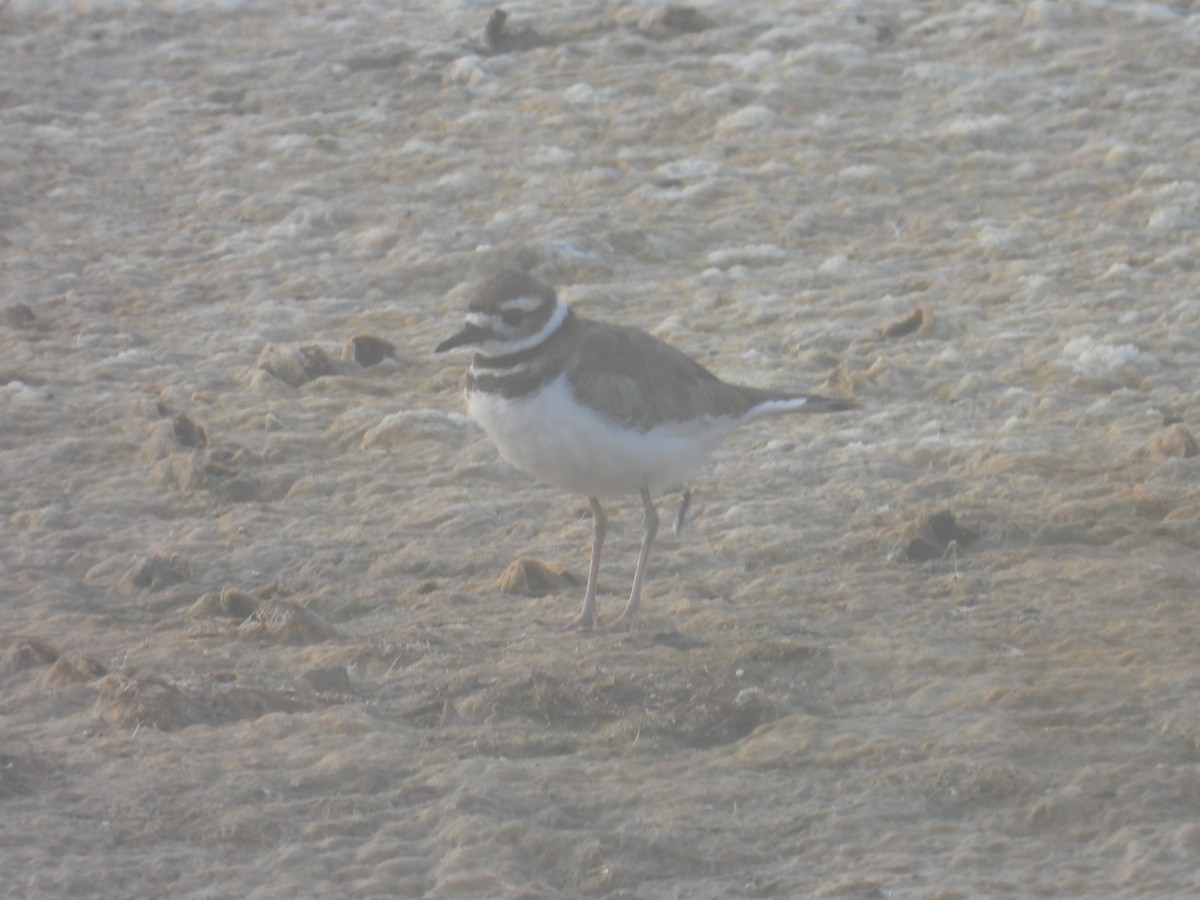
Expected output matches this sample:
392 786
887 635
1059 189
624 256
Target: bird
598 409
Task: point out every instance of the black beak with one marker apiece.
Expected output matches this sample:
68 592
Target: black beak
471 334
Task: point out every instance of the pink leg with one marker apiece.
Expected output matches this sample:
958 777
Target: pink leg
587 616
628 620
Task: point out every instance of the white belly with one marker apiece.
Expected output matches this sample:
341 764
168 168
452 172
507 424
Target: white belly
553 438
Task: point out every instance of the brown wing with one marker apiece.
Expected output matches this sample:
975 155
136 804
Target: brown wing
636 380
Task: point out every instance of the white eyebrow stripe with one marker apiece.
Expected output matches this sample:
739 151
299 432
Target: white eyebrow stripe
523 304
505 347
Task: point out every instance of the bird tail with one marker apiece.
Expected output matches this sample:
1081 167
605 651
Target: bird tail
775 404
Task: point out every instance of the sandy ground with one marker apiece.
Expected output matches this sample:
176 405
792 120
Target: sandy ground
252 642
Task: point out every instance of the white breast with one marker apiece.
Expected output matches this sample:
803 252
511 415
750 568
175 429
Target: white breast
558 441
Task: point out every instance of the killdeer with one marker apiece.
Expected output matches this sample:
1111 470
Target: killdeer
598 409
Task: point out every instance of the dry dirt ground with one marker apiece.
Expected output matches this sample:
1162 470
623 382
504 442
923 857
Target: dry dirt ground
252 639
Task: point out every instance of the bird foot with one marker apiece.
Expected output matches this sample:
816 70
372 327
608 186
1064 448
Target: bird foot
622 623
582 622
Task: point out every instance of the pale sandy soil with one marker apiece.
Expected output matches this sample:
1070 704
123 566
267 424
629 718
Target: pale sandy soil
190 193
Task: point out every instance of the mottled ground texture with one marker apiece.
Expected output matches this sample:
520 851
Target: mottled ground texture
253 642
